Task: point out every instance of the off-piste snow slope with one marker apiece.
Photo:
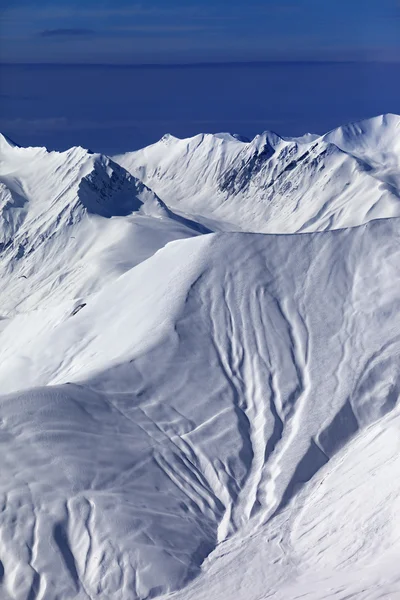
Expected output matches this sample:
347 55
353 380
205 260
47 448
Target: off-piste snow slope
192 415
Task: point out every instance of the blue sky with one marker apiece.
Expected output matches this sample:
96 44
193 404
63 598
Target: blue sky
173 31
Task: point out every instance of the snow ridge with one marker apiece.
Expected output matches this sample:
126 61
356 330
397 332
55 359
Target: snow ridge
274 185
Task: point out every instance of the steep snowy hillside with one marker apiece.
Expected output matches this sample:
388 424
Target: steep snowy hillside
275 185
187 416
57 237
206 386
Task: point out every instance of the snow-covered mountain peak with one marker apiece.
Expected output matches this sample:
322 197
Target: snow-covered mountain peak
70 179
266 137
380 130
6 142
58 208
167 139
278 185
376 140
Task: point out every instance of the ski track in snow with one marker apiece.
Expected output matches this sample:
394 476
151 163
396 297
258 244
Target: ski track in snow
188 416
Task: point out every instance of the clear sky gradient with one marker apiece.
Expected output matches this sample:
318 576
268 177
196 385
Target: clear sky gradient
177 31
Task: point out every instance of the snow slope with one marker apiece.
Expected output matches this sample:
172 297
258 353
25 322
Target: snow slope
70 221
191 416
277 350
276 185
339 539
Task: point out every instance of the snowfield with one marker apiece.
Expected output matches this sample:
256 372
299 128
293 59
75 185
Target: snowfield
199 369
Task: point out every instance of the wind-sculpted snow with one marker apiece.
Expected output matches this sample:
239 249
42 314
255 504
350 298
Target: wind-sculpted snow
191 416
269 356
278 185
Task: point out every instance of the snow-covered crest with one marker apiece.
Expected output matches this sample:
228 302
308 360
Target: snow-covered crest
270 184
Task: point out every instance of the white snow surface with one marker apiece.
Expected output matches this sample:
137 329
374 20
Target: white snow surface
278 185
193 415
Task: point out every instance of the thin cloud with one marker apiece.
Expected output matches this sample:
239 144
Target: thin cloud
71 32
161 28
129 31
35 125
55 124
18 13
